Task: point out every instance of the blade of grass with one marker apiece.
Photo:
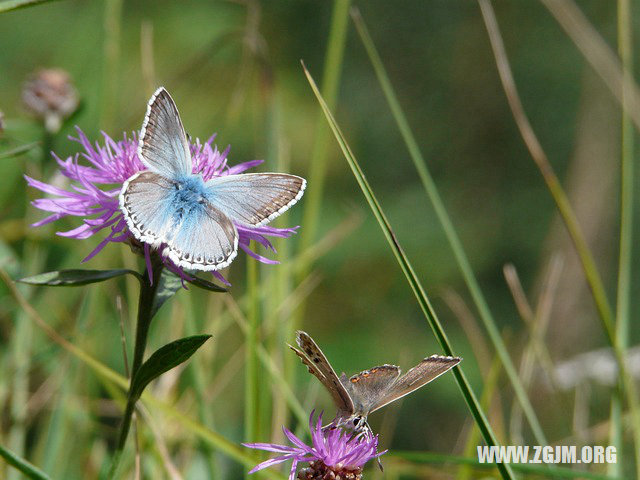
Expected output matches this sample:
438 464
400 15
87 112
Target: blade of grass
252 381
542 162
598 53
626 196
318 162
29 470
447 225
491 385
267 362
411 276
105 373
17 151
562 202
625 50
9 5
112 33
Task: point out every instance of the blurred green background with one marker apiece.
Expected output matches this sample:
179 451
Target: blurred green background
233 68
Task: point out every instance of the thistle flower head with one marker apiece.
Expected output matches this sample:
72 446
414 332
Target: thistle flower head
97 175
334 453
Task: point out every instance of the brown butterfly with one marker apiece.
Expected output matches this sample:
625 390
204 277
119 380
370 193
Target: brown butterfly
364 393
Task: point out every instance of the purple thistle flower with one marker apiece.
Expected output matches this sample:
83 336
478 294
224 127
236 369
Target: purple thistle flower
333 451
93 194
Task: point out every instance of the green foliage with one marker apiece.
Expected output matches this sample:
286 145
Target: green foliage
164 359
232 68
74 278
29 470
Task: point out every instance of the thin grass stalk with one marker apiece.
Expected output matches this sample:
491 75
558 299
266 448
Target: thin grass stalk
319 154
277 376
21 363
112 30
24 467
553 183
148 290
110 377
251 385
598 53
625 46
33 258
623 302
447 225
412 278
196 370
9 5
489 391
562 203
278 158
61 423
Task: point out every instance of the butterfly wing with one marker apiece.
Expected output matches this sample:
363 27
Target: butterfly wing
319 366
255 199
163 145
368 386
145 201
427 370
206 239
196 236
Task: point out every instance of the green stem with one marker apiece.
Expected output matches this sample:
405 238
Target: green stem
319 155
626 224
252 390
148 290
26 468
9 5
330 79
412 278
450 232
572 19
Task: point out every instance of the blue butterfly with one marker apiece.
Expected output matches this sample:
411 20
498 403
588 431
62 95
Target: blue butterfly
195 220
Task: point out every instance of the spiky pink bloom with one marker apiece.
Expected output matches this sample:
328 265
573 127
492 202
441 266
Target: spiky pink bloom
93 194
332 450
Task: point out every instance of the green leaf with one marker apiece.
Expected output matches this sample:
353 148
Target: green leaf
17 151
168 286
75 278
9 5
164 359
170 283
412 278
449 229
206 285
29 470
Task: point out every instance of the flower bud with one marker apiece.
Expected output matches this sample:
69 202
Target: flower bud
50 96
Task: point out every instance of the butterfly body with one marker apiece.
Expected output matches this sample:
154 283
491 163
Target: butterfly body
195 220
357 396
